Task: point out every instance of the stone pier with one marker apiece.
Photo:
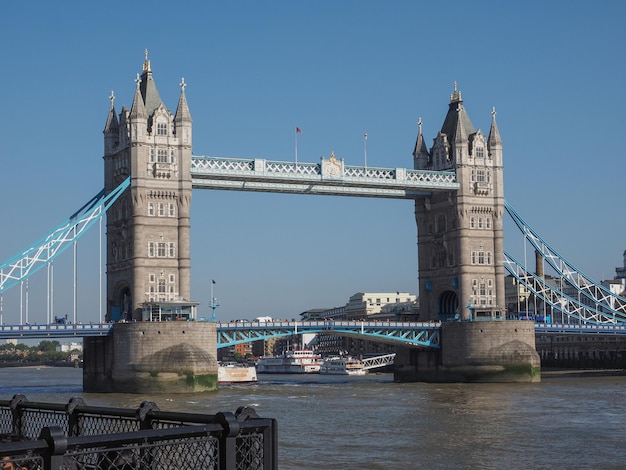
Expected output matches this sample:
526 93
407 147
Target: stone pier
489 351
152 357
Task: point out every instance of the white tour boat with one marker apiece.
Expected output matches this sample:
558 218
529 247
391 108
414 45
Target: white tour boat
234 372
342 365
302 361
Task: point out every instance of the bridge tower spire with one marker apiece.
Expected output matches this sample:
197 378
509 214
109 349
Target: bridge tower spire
460 234
148 228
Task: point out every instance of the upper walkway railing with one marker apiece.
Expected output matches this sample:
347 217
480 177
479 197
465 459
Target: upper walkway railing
330 177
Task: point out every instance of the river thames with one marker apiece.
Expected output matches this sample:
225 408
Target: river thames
370 422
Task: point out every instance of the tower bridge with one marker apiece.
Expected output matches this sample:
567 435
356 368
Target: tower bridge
458 194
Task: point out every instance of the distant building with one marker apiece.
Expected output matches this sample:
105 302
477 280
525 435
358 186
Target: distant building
364 305
68 347
620 274
374 306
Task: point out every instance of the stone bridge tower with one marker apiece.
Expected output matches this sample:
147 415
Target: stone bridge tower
148 256
460 237
461 265
148 228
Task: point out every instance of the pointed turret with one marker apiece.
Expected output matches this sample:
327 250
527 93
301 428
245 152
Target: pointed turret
457 122
111 129
494 142
182 111
494 133
112 125
420 153
149 92
138 109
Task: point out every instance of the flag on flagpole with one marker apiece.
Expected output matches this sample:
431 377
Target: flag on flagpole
365 136
298 131
212 281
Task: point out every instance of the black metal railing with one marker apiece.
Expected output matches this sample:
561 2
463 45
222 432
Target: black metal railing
75 436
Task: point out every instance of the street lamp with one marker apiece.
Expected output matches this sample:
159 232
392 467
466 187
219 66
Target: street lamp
214 303
470 306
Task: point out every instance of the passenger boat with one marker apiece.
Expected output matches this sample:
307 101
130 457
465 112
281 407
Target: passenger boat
302 361
235 372
342 365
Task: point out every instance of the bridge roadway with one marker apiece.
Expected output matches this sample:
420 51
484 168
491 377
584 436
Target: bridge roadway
415 334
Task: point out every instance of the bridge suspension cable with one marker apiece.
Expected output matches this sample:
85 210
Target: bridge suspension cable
596 303
41 253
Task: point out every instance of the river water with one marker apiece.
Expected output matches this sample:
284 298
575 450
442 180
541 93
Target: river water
370 422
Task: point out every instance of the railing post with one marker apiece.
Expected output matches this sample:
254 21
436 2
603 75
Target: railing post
228 440
144 414
73 410
16 411
57 445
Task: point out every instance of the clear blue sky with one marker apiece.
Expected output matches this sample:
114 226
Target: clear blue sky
555 71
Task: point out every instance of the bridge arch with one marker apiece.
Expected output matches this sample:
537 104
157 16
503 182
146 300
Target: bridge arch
448 305
121 308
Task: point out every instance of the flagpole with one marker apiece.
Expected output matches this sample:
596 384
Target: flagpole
295 130
365 148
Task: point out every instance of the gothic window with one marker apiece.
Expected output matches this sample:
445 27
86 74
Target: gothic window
451 257
151 209
480 152
482 287
481 257
161 128
161 210
440 223
151 155
172 279
162 249
480 222
171 250
488 223
172 157
472 222
172 210
151 249
152 278
162 155
162 286
480 176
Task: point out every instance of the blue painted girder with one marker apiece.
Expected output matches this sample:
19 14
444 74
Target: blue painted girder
414 334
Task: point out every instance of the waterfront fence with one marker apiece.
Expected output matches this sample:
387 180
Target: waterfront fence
75 436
